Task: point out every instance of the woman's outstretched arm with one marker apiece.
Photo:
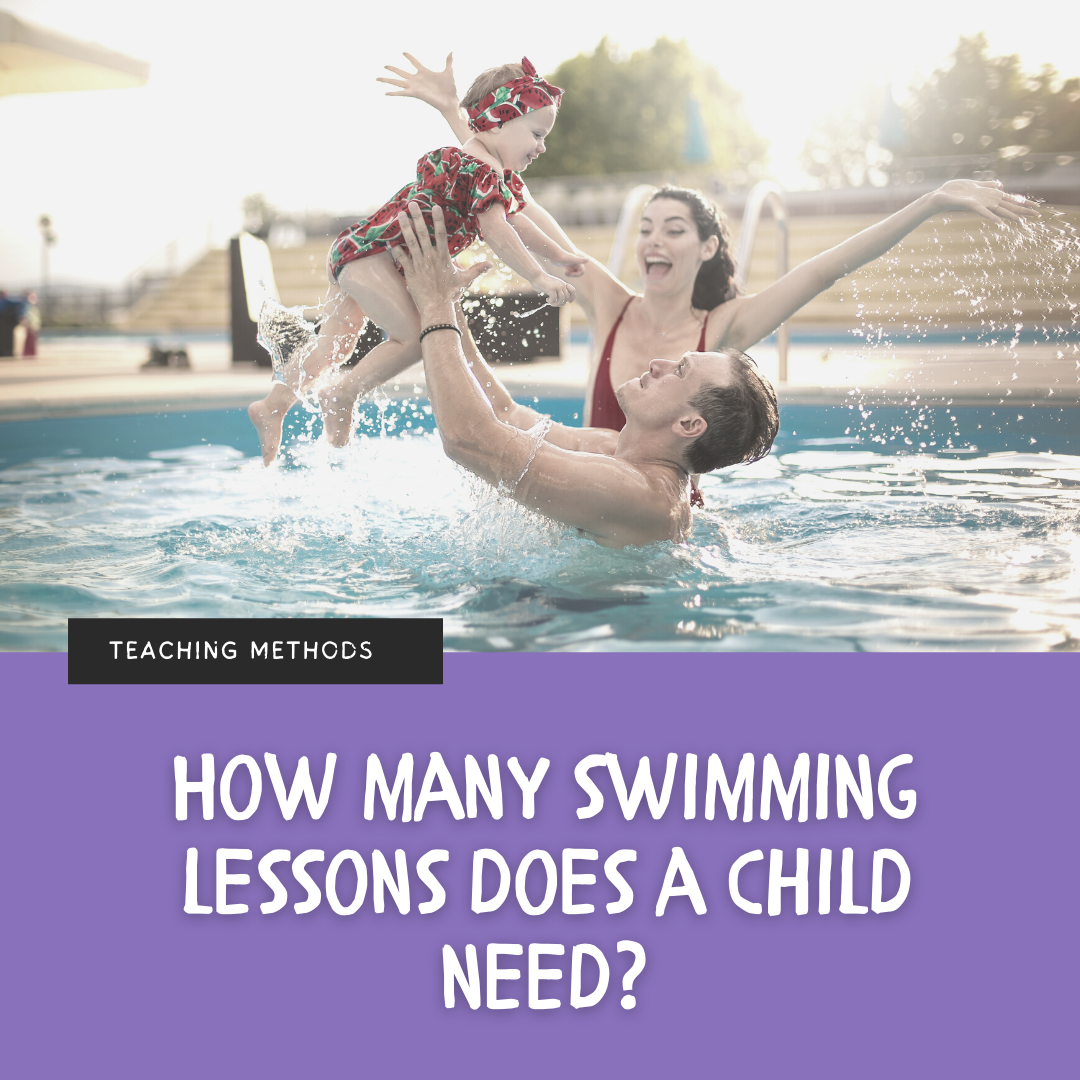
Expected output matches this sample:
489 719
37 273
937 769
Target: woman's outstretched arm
755 317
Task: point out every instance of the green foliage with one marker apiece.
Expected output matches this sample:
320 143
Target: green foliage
981 104
977 105
843 149
630 114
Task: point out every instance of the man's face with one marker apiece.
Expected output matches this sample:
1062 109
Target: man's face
661 395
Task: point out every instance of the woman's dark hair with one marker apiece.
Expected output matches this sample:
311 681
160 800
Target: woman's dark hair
488 80
742 419
713 284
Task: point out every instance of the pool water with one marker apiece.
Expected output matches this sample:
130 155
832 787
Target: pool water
833 542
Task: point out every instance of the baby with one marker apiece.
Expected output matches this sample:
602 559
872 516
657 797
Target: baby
511 111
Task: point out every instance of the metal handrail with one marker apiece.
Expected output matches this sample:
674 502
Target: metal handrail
766 192
632 206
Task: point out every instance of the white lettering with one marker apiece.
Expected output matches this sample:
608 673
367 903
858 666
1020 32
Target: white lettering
907 797
361 883
528 784
744 782
191 886
225 879
733 881
800 882
301 785
585 782
185 787
479 904
643 785
679 864
876 903
770 780
376 778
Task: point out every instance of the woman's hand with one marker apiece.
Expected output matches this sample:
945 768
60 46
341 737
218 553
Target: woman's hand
572 265
557 292
983 197
437 88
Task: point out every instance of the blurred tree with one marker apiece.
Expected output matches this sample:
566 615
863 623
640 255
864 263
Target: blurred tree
978 104
845 147
632 114
258 214
985 103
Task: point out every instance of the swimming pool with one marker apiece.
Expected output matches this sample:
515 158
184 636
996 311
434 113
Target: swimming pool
833 542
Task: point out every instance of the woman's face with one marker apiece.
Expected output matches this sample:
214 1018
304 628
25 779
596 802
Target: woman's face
669 253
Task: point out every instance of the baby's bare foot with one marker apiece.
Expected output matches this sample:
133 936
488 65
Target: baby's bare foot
268 416
336 401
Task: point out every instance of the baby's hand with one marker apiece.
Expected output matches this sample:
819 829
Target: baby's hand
435 87
557 292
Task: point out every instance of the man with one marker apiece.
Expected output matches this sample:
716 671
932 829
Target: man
703 412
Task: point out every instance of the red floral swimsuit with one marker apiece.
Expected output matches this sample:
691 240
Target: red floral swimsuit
462 185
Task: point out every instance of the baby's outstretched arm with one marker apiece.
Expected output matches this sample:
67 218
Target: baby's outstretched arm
538 241
436 88
503 239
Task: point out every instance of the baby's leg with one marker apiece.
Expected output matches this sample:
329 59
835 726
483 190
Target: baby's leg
379 290
335 342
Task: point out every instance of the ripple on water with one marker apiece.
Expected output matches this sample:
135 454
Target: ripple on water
815 549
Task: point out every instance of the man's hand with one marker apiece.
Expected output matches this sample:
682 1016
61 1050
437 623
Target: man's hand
983 197
437 88
433 278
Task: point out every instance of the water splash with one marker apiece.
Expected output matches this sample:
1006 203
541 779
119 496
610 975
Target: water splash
290 338
528 314
962 313
814 547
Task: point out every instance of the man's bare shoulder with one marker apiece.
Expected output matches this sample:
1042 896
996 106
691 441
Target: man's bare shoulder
590 440
616 500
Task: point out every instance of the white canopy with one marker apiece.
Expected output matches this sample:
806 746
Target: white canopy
34 60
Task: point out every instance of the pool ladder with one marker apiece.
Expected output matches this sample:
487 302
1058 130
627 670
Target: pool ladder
765 193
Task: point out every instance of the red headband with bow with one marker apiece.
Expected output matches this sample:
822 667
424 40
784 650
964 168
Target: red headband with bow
513 99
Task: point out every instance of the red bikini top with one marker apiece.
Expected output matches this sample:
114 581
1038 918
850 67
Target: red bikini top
606 411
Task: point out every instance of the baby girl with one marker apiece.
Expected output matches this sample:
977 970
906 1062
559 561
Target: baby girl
511 111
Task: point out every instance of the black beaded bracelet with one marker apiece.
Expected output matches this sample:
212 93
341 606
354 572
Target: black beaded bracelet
439 326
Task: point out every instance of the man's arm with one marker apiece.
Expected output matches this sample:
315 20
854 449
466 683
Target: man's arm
757 316
605 496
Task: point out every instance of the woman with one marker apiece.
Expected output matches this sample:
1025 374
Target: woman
683 256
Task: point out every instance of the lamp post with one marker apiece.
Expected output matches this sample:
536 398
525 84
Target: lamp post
48 238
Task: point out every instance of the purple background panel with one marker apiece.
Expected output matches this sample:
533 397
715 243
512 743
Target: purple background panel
104 974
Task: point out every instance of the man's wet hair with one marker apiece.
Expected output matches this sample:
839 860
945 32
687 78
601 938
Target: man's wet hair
488 80
742 417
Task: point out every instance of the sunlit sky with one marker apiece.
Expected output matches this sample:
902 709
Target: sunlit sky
280 98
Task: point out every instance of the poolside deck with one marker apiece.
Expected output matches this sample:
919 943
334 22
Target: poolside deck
84 377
